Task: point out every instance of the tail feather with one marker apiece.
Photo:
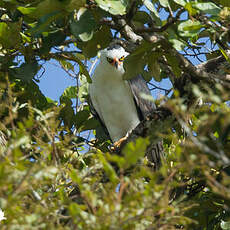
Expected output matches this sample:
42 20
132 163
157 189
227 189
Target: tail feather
154 154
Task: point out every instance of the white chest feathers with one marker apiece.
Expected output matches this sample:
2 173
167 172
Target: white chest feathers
113 100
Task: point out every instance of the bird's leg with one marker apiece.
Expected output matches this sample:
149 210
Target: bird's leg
117 145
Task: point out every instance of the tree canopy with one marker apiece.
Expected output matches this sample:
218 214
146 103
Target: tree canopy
56 170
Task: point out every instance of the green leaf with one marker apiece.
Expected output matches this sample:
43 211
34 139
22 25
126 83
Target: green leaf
75 5
142 17
4 32
224 54
180 2
83 88
208 8
51 102
108 169
70 92
26 71
147 75
153 66
115 7
149 5
225 225
89 124
47 7
179 45
66 65
173 62
134 65
67 112
135 62
101 39
82 68
213 54
53 39
135 151
83 28
189 28
164 3
119 160
44 22
191 10
26 10
225 3
81 117
10 34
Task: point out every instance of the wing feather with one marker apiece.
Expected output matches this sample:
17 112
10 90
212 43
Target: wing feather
144 108
96 115
139 86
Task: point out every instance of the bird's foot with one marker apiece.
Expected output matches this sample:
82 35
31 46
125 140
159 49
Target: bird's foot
117 145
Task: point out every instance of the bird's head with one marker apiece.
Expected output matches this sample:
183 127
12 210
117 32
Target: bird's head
112 58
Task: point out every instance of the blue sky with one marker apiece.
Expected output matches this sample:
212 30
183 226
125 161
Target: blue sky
55 80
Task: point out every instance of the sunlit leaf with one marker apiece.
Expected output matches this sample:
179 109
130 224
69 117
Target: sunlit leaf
134 151
83 28
208 8
151 7
189 28
164 3
26 10
225 225
115 7
180 2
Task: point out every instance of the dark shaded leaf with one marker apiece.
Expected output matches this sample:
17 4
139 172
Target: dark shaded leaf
68 94
53 39
10 34
134 63
44 23
26 71
84 27
100 40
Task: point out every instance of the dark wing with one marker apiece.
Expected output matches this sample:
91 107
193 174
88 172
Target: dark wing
144 108
139 86
96 115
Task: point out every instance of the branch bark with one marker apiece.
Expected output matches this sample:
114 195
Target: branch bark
206 71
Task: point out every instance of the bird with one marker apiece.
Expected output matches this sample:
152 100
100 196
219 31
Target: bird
118 104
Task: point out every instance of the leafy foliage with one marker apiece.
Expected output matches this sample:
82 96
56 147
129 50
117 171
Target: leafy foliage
56 170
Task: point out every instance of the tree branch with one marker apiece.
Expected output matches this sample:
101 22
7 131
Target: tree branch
171 21
200 71
120 25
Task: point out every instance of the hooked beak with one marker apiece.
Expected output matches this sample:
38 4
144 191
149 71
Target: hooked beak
116 62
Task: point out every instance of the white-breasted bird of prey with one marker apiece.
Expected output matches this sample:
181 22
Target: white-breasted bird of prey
117 103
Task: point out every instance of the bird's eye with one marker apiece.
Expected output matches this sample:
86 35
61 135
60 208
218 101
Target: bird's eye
110 60
122 58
